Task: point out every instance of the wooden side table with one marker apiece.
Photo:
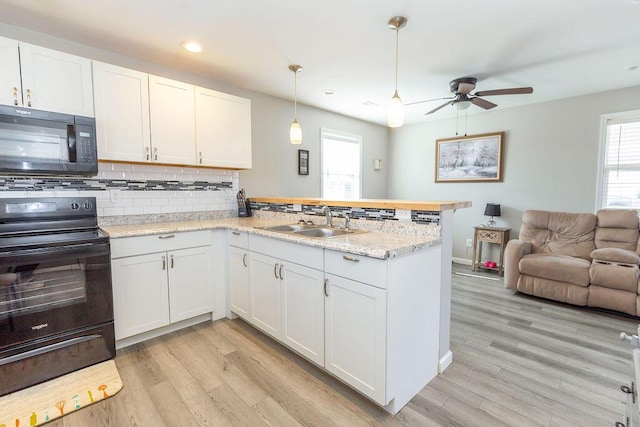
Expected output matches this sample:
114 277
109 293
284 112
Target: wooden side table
495 235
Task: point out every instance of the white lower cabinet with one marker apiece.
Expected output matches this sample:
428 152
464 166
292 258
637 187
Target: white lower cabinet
239 293
265 297
355 335
159 280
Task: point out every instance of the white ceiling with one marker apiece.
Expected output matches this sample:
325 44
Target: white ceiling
562 48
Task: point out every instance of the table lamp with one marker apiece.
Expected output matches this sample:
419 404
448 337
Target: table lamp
492 209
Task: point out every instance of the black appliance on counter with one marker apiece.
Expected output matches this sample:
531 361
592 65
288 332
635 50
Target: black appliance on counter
34 142
56 302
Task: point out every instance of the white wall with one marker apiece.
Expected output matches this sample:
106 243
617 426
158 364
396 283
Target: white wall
275 161
550 160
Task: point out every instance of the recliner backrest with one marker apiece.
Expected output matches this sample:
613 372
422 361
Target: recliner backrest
617 228
559 232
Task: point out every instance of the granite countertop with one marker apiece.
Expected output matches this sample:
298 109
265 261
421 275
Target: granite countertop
373 244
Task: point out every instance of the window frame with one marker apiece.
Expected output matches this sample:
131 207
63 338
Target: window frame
345 137
602 152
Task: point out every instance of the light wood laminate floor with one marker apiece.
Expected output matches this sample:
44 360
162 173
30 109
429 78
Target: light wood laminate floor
518 361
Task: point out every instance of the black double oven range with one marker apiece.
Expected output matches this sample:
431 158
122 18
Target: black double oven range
56 304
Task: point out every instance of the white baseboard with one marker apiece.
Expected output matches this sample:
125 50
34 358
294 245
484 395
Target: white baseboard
445 361
462 261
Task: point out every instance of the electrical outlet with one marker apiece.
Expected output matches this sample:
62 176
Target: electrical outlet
114 195
469 243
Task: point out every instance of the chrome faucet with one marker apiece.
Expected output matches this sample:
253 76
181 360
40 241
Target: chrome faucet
347 221
327 212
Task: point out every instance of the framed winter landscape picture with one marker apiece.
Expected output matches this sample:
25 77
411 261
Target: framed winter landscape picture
474 158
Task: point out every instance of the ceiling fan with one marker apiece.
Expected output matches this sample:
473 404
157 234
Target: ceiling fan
462 88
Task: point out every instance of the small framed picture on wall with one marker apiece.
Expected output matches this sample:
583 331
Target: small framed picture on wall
303 162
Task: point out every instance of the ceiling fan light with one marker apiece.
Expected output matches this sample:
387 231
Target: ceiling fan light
295 133
395 112
463 105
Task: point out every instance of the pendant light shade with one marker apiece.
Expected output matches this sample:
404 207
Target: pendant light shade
395 111
295 132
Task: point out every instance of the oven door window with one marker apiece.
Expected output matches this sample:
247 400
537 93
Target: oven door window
43 292
33 139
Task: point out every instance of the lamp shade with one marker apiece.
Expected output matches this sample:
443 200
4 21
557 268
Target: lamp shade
395 112
295 133
492 209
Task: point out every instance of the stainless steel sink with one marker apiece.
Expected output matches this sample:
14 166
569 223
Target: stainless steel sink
311 230
288 227
324 232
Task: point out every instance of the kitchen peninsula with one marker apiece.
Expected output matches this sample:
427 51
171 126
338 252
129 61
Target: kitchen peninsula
371 308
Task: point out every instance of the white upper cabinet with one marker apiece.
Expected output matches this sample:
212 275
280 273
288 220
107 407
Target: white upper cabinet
55 81
122 113
223 129
11 86
173 131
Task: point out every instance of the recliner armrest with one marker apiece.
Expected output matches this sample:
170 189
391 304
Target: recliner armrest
617 255
513 253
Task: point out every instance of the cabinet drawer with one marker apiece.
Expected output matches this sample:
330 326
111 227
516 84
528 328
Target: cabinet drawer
238 239
129 246
356 267
287 251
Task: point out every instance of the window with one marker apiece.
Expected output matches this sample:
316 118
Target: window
620 177
340 165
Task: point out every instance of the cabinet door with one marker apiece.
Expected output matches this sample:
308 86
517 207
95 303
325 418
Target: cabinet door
173 131
140 294
10 86
122 113
190 282
56 81
355 335
223 129
265 294
303 311
239 281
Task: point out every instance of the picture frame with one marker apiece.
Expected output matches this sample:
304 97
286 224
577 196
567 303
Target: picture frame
303 162
473 158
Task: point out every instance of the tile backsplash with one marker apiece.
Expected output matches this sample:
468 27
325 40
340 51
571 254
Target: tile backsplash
132 189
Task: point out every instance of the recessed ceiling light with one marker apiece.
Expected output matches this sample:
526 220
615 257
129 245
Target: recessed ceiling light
329 92
192 47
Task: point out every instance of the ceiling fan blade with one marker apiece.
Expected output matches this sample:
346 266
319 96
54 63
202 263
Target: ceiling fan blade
428 100
511 91
483 103
439 107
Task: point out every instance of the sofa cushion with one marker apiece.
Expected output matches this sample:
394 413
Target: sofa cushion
561 233
614 276
561 268
616 255
552 289
617 228
612 299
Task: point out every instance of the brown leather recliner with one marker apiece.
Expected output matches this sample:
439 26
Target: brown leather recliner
582 259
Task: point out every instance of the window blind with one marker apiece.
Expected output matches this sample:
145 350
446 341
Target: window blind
621 181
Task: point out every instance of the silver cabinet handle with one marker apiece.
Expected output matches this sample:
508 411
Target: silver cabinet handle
244 260
171 258
326 287
155 153
348 258
167 236
164 262
235 233
275 270
280 271
146 153
200 155
28 97
15 96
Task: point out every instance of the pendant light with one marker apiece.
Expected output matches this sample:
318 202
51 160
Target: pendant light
295 132
395 111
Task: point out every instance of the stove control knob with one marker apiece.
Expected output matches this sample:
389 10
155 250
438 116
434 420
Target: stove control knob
87 205
74 206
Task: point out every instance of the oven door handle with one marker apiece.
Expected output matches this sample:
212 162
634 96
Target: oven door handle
47 349
42 254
